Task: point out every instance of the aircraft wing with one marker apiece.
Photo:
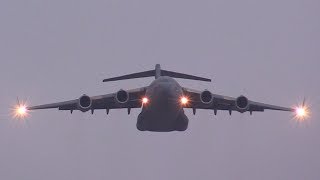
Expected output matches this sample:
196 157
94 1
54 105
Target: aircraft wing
107 101
220 102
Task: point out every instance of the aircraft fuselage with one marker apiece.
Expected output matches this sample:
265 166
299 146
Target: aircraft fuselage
163 112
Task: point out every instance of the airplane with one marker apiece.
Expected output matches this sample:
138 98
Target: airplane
163 102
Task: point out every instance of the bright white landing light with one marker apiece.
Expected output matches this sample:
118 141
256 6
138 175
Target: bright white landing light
20 111
184 100
145 100
301 113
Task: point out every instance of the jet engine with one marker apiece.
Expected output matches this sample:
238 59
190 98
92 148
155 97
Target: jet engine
206 97
84 103
122 96
242 104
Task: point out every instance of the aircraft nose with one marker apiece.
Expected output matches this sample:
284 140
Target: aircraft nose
164 96
164 91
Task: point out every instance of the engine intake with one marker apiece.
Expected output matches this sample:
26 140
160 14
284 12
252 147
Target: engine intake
122 96
84 103
242 103
206 97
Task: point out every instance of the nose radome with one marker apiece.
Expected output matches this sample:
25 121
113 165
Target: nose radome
166 91
161 95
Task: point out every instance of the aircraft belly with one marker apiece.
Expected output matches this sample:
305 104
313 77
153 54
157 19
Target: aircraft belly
160 119
163 111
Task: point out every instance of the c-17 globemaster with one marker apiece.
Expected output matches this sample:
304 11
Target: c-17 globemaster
162 102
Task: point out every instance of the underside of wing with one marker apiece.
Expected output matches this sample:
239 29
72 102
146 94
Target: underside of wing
121 99
66 105
256 106
207 100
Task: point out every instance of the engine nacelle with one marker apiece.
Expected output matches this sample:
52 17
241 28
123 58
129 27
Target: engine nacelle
242 104
206 97
122 96
84 103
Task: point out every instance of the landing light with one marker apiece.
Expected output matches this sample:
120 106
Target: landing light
20 111
301 113
145 100
184 100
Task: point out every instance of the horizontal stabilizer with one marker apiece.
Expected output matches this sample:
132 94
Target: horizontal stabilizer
132 76
157 73
183 76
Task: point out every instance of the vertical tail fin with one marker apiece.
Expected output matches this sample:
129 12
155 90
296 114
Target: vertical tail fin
157 73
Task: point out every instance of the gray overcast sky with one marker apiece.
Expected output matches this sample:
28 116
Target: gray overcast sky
57 50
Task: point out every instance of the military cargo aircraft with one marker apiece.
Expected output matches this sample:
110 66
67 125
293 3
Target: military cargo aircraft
163 102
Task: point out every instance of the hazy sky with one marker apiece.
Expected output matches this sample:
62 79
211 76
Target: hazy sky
57 50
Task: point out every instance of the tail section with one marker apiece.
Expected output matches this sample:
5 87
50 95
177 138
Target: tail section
183 76
157 73
132 76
